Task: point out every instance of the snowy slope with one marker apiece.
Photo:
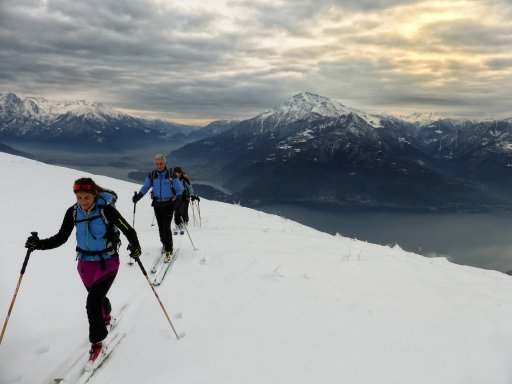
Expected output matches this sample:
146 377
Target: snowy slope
262 300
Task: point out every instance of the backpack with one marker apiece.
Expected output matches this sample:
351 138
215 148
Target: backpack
106 197
152 176
112 235
186 184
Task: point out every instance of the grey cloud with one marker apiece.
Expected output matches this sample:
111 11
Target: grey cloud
386 89
370 5
136 55
230 97
301 9
63 36
499 64
467 36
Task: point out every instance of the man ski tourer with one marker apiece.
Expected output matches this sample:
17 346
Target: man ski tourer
166 194
97 222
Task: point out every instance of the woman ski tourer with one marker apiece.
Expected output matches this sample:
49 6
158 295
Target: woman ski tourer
97 236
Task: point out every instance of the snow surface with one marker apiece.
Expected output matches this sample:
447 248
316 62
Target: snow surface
262 300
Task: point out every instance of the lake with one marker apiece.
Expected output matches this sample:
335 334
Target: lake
477 239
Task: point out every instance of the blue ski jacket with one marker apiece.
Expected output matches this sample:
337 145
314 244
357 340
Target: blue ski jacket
164 187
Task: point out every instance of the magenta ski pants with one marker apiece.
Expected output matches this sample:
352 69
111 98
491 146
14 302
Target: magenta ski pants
98 281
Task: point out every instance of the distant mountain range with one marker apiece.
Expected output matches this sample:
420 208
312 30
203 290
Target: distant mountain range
309 149
80 124
313 149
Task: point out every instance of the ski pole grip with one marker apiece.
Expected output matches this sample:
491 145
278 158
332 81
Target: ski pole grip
25 262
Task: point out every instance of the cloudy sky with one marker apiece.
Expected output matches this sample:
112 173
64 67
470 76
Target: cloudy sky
215 59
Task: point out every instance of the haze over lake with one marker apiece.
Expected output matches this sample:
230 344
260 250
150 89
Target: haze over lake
477 239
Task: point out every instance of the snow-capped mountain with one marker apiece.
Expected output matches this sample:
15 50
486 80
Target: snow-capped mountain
308 107
425 118
45 111
434 161
310 139
76 123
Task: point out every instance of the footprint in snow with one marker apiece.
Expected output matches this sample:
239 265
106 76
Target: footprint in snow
41 350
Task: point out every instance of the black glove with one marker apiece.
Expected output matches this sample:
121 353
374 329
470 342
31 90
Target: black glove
33 242
136 197
195 197
135 250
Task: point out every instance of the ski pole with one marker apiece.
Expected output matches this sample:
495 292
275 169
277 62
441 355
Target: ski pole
186 229
194 213
199 212
153 221
130 262
134 207
156 294
25 262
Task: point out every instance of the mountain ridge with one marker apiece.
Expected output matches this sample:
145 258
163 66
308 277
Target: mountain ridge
79 123
383 161
425 161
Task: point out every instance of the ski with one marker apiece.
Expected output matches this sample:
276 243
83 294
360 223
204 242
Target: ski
91 368
164 268
157 262
76 369
71 369
114 321
81 374
179 230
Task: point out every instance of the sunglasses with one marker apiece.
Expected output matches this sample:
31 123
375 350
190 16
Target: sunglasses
83 187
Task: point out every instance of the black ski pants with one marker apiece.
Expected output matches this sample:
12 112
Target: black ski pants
97 305
182 212
163 214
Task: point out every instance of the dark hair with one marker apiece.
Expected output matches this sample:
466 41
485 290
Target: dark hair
87 181
178 169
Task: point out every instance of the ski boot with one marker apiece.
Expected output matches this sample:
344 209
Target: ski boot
94 353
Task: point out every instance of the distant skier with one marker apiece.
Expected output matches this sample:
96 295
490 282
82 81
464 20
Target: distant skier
188 193
97 222
166 194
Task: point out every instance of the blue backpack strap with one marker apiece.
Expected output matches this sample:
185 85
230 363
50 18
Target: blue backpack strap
152 176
